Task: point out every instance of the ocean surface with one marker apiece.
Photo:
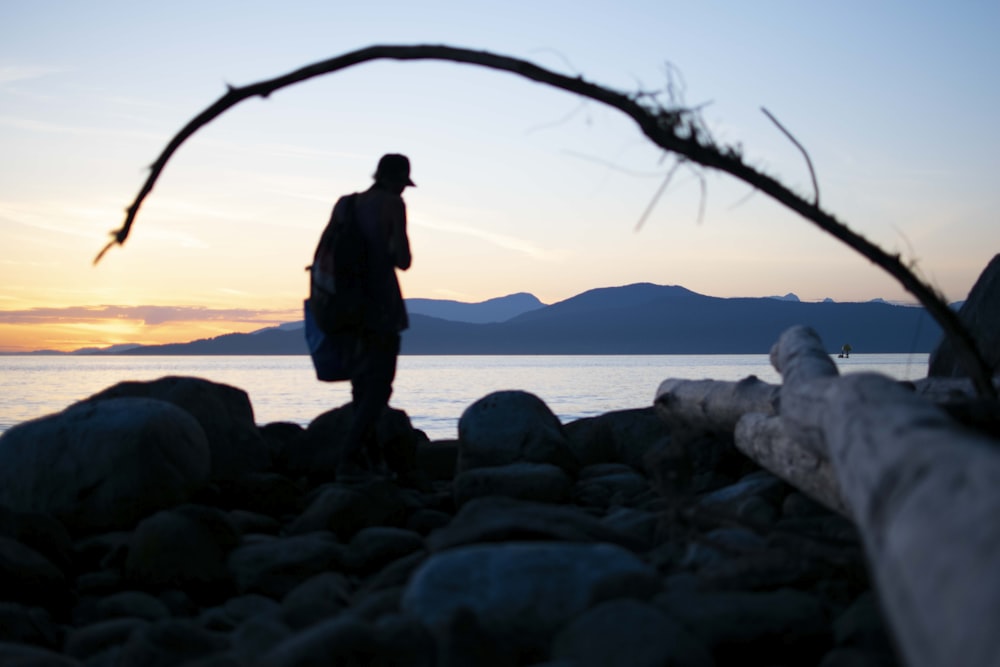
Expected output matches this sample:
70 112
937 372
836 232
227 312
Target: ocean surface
433 390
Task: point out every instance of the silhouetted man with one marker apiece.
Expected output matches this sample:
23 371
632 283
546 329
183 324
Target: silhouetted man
381 214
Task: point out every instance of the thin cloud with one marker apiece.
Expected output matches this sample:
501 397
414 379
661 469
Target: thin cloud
12 73
500 240
148 315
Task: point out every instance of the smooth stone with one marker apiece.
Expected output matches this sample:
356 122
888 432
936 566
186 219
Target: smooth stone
376 546
523 592
223 412
510 426
90 640
132 604
276 566
626 633
182 547
496 519
118 461
539 482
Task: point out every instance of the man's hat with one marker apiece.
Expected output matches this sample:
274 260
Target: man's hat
394 168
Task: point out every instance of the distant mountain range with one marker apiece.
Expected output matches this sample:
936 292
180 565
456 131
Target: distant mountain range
633 319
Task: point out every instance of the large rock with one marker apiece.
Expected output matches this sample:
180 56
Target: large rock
104 464
510 426
28 577
345 511
542 482
623 436
783 626
524 592
981 315
274 567
319 450
185 547
628 633
499 519
224 412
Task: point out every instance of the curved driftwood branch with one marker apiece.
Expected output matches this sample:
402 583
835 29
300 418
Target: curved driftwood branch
924 493
712 405
765 440
678 130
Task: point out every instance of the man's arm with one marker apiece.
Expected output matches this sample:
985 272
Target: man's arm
399 242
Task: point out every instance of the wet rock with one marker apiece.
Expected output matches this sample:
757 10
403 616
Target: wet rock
605 484
852 657
640 524
623 436
524 592
404 640
760 484
90 640
320 450
343 640
40 532
258 635
251 522
21 624
318 598
510 426
396 573
29 578
372 605
776 627
981 316
721 545
439 459
498 519
103 551
862 626
264 493
132 604
224 413
345 510
170 642
540 482
118 460
25 655
799 505
374 547
627 633
234 611
275 566
183 547
424 521
281 437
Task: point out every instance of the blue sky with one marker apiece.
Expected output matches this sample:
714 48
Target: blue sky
520 187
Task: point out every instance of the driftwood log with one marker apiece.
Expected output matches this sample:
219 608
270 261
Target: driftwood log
924 494
712 405
765 440
923 490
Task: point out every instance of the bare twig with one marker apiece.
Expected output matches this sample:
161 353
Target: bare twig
676 130
812 172
656 197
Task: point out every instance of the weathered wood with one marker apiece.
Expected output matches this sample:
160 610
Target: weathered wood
714 405
924 493
764 439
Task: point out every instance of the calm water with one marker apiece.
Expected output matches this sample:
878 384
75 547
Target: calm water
433 390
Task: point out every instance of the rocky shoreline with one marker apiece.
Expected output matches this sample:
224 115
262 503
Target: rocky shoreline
156 524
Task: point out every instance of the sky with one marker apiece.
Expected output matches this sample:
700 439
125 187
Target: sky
520 187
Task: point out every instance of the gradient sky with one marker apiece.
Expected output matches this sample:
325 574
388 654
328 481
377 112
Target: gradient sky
521 187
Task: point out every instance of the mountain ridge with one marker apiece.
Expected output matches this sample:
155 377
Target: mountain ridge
642 318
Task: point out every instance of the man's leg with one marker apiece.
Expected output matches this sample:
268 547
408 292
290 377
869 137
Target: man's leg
371 388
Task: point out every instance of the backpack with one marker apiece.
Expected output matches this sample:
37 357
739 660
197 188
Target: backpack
338 274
